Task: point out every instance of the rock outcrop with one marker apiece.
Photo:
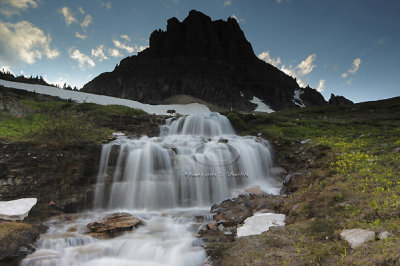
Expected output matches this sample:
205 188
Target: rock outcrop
339 100
210 60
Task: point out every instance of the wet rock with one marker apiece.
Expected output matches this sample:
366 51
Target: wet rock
222 140
357 237
113 225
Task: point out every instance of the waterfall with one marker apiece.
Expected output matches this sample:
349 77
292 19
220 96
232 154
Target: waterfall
196 161
166 182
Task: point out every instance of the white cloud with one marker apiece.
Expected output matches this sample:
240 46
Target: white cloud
25 41
126 37
81 10
68 16
99 53
354 68
114 52
85 23
80 36
278 1
118 44
267 58
106 5
82 59
13 7
237 18
141 48
321 85
227 3
307 65
304 68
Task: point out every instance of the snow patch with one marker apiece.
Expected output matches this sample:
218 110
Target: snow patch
296 98
260 222
242 94
16 209
80 97
262 107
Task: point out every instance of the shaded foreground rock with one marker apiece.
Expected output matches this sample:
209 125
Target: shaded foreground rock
230 214
113 225
17 240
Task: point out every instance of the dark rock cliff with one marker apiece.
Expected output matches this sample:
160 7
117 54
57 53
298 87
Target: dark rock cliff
210 60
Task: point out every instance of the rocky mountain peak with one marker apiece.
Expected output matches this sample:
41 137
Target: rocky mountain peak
206 59
199 36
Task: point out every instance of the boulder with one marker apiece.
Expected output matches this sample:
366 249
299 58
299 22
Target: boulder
16 209
260 222
357 237
113 225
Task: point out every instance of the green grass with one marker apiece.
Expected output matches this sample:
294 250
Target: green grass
60 123
355 183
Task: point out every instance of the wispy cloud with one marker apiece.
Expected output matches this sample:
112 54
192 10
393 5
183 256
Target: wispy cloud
114 52
68 16
299 72
24 41
14 7
118 44
86 22
125 37
237 18
80 36
83 60
227 3
267 58
354 68
321 85
98 53
106 5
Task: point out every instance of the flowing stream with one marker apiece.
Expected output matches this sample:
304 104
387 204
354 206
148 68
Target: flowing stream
169 182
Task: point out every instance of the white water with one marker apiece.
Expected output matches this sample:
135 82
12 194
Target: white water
167 182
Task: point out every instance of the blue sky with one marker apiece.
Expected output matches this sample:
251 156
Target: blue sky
345 47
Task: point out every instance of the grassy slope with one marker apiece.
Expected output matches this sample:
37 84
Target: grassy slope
55 122
350 179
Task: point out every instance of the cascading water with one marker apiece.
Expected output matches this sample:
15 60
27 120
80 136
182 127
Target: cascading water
166 181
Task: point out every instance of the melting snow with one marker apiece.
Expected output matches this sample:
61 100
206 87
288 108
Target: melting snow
262 107
296 98
260 222
184 109
16 209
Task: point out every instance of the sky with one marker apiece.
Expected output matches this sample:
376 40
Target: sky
344 47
